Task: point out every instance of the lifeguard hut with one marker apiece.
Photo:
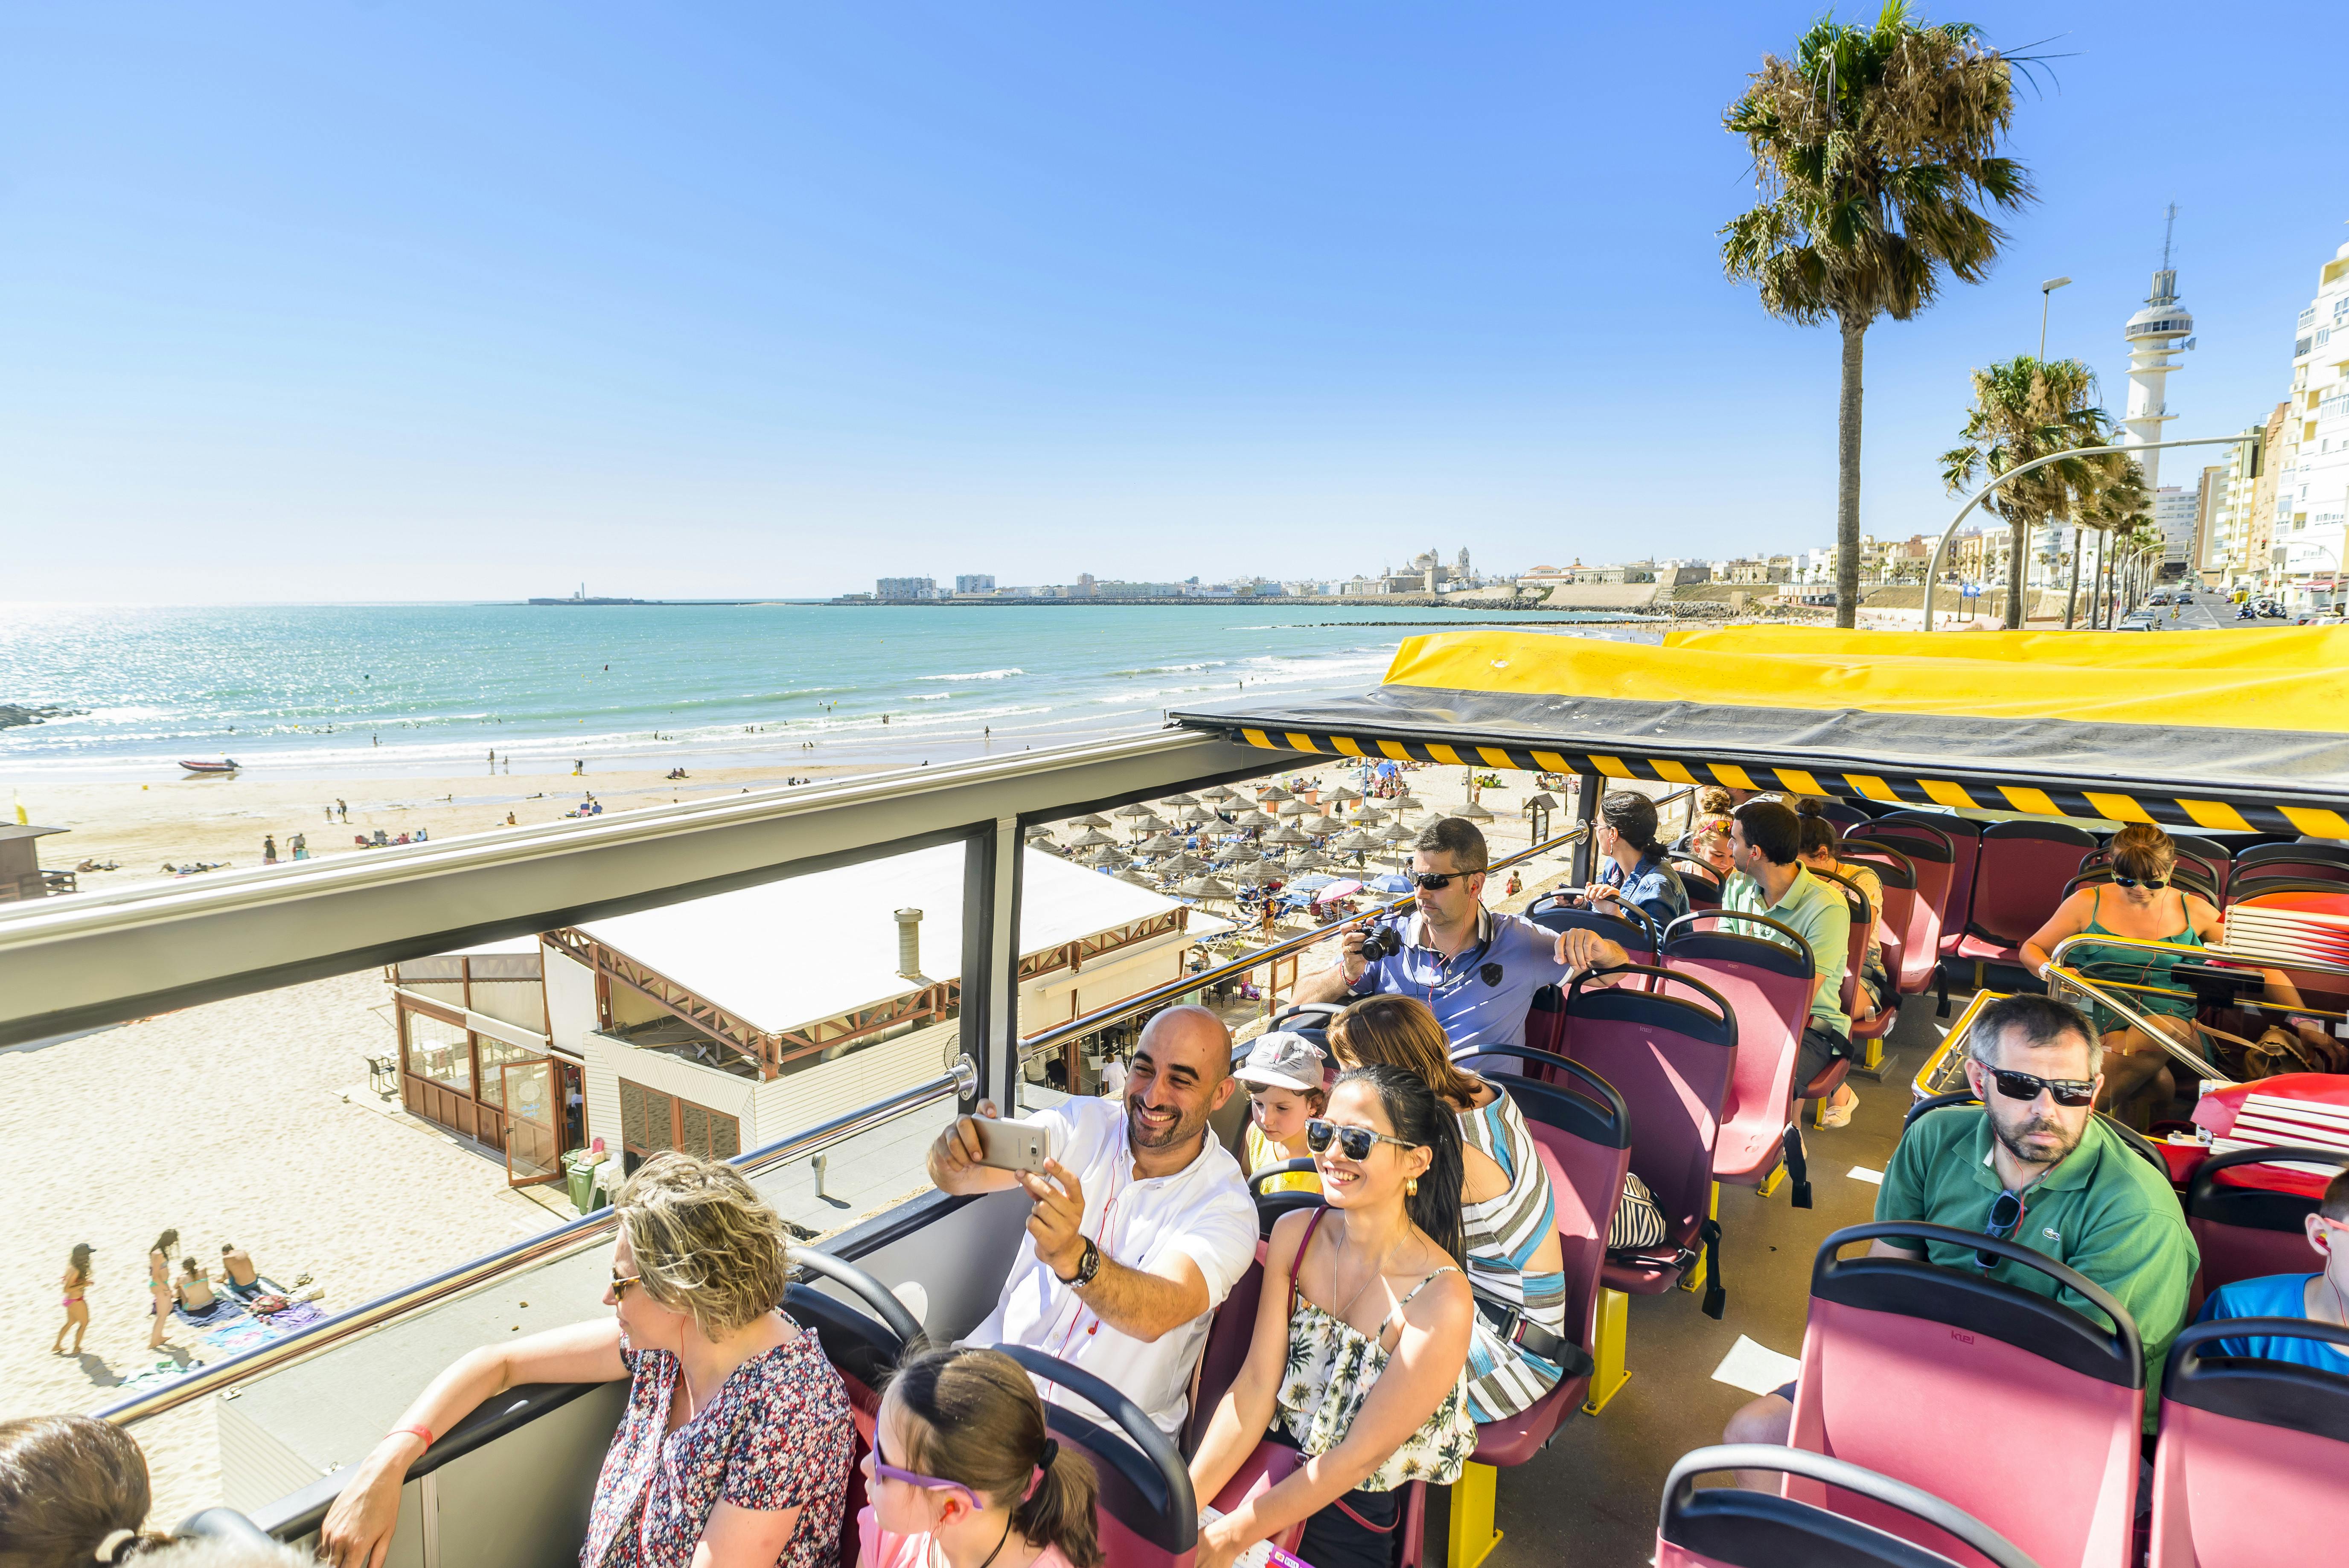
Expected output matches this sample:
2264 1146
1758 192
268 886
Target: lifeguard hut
21 875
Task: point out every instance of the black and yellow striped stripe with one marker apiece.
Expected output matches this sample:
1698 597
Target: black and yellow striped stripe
1977 793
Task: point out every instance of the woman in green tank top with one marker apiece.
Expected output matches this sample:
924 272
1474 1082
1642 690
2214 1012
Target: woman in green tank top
2140 904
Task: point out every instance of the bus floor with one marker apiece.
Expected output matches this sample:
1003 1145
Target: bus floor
1591 1499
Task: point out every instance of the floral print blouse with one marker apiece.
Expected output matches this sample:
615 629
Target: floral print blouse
1330 1369
777 1434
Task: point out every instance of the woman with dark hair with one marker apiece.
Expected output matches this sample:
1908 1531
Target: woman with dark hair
73 1491
1508 1214
159 1285
1821 851
1361 1336
1635 871
76 1284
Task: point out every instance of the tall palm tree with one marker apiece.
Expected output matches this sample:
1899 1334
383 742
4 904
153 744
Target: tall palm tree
1876 152
2024 409
2120 509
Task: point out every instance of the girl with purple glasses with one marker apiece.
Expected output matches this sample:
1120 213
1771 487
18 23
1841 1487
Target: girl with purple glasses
963 1474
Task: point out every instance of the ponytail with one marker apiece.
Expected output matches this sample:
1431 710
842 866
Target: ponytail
1058 1510
1419 1118
974 1419
1819 833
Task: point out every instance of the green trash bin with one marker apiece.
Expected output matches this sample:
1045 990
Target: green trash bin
579 1173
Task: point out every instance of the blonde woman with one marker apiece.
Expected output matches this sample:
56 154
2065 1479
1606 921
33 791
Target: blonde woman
735 1447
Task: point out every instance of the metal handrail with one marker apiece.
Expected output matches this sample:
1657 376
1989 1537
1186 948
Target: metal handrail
2058 973
562 1241
1161 996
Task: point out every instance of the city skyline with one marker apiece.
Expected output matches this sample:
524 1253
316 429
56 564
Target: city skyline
392 304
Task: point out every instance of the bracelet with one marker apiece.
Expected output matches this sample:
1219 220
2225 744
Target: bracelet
423 1432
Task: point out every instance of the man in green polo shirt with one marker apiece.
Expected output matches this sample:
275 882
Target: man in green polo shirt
2086 1199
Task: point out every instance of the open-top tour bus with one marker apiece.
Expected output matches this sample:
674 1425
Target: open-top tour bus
1943 1418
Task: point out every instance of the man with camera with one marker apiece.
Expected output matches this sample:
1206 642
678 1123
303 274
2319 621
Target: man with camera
1476 970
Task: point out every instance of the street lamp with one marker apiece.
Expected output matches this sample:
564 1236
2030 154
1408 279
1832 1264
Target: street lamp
2046 292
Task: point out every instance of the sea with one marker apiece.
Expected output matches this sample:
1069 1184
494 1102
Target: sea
340 690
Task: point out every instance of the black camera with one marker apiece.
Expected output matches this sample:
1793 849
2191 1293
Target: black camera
1380 942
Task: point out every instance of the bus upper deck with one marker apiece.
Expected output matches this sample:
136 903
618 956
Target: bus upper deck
1937 784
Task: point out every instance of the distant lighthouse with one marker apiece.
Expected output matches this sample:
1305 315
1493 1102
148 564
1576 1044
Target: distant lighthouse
2153 334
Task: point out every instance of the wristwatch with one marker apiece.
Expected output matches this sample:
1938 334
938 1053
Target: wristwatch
1087 1267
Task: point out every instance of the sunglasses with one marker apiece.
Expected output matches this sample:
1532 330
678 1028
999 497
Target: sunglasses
926 1483
2023 1086
2120 881
1436 881
621 1283
1353 1142
2005 1213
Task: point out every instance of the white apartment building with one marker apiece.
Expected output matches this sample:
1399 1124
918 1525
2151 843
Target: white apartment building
2176 511
2313 486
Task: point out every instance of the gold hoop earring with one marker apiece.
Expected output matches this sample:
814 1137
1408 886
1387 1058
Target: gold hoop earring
1411 1187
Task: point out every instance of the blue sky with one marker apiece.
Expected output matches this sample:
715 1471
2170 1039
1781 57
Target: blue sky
333 301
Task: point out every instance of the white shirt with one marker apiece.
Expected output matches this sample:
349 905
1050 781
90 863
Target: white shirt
1113 1080
1203 1212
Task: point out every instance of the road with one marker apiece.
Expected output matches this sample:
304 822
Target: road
2207 613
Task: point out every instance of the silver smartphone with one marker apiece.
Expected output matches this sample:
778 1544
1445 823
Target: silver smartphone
1012 1145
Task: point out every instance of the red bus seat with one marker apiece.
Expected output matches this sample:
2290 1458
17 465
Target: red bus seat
1907 1366
1631 928
2243 1232
862 1346
2249 1469
2213 861
1670 1058
1583 1132
1863 921
1730 1527
2291 852
1913 932
1225 1350
1942 882
1699 881
1764 974
2019 876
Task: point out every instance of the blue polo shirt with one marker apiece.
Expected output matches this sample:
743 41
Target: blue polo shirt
1480 997
2270 1295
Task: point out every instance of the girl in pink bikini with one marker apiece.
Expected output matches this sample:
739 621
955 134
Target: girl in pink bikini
77 1289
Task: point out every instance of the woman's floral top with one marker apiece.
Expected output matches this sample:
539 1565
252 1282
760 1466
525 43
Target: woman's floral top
1330 1369
777 1434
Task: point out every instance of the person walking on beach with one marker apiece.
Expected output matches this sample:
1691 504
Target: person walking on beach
268 849
159 1285
300 846
344 807
76 1288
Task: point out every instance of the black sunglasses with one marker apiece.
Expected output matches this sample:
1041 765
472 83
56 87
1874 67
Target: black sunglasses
1354 1142
1436 881
2120 881
2023 1086
2005 1213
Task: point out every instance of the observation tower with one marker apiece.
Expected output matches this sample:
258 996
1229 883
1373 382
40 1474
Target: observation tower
2159 330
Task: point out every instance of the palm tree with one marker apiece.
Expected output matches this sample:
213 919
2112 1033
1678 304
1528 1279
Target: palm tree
2026 409
2119 509
1874 149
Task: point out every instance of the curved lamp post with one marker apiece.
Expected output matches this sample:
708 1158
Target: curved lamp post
1941 550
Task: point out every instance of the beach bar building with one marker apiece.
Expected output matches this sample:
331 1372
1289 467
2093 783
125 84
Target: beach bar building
719 1023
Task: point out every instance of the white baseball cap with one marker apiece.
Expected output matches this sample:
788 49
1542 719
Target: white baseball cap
1284 1060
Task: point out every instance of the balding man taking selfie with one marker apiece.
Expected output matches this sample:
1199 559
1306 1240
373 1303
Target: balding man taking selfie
1142 1225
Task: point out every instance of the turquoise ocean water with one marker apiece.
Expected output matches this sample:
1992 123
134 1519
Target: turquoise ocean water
322 691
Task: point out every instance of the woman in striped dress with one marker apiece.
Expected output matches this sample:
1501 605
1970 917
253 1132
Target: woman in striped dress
1508 1217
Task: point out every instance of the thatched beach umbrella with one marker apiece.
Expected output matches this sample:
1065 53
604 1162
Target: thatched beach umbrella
1341 795
1252 819
1406 801
1196 814
1205 887
1179 800
1254 876
1150 822
1284 836
1134 810
1293 807
1475 812
1396 833
1322 826
1090 839
1357 843
1089 820
1160 844
1308 859
1218 792
1109 855
1273 792
1137 877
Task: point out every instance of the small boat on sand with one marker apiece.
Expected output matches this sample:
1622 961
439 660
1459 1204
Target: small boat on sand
225 765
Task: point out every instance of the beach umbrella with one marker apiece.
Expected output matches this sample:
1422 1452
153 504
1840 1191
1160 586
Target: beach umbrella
1346 888
1284 836
1406 801
1109 855
1396 833
1356 842
1474 811
1252 819
1091 838
1254 876
1138 878
1319 826
1040 834
1311 884
1274 792
1342 794
1308 859
1217 792
1179 800
1389 882
1136 810
1160 844
1205 887
1150 822
1088 821
1293 807
1369 817
1196 814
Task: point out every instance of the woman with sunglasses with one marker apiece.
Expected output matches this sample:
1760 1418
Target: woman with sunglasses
733 1450
963 1473
1361 1338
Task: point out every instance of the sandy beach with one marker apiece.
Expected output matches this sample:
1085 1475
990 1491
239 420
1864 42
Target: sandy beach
247 1119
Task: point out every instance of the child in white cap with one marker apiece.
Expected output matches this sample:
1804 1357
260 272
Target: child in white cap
1288 1078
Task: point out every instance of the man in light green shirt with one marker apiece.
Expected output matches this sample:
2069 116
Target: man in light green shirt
1766 845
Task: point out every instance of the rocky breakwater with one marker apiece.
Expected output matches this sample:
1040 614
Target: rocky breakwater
12 714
